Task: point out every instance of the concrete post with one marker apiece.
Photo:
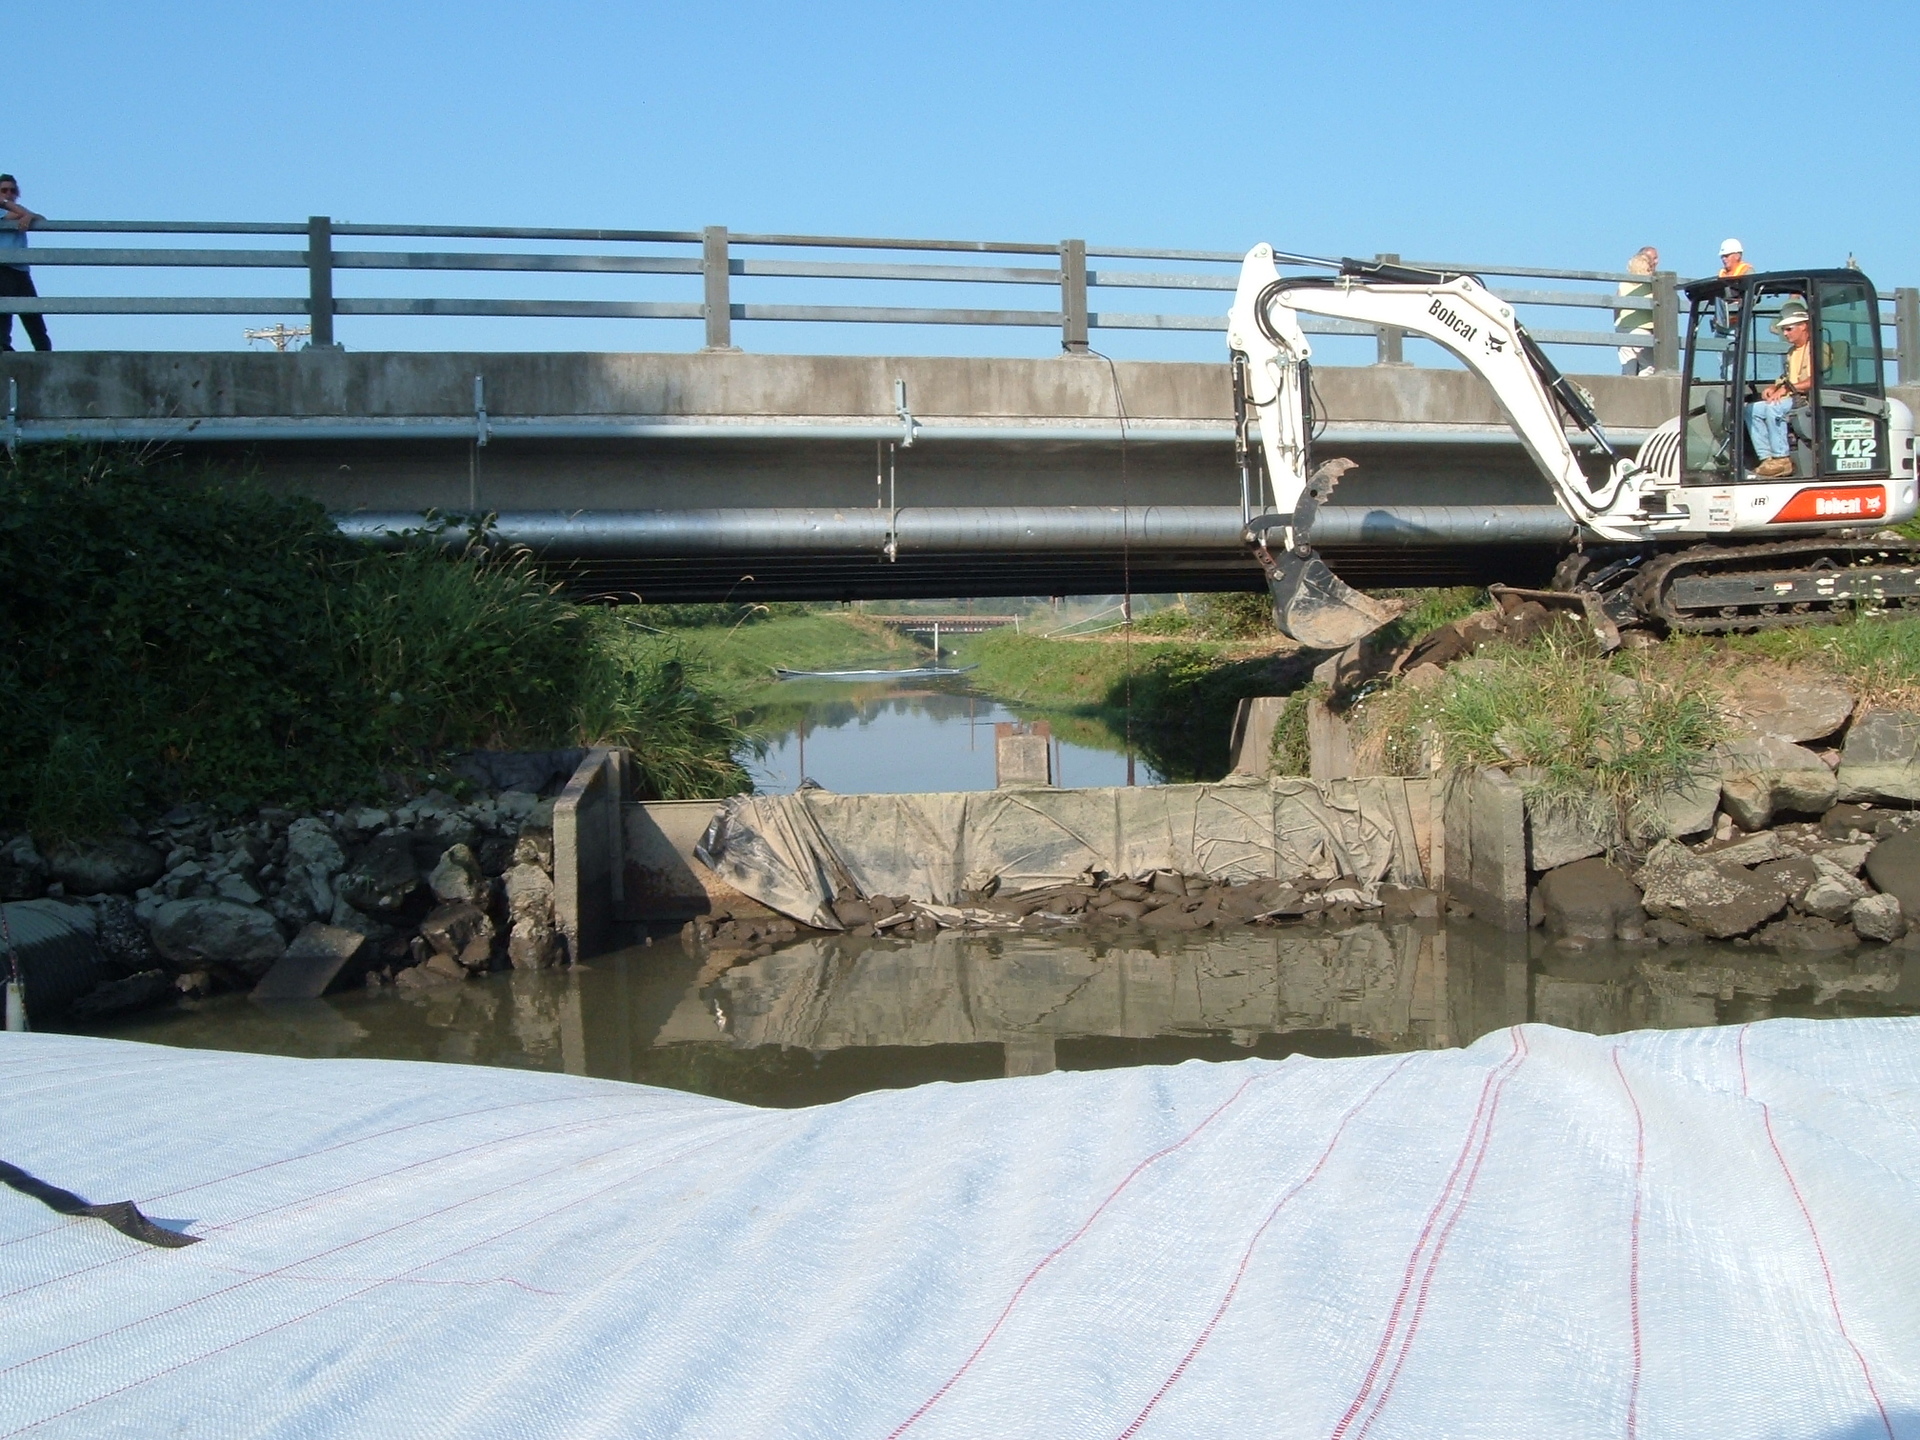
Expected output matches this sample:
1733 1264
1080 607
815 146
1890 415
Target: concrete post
1022 753
1389 340
1666 323
1484 814
719 302
320 280
1073 296
1906 334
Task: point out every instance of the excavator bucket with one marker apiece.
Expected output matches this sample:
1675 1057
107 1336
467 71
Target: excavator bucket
1314 607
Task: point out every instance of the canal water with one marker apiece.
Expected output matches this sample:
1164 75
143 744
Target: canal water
822 1019
893 737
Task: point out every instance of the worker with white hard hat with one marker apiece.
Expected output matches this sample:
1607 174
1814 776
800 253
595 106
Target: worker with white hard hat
1733 259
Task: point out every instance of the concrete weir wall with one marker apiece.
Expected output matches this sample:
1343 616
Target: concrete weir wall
621 864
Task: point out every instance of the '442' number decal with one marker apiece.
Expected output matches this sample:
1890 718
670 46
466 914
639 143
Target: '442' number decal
1853 442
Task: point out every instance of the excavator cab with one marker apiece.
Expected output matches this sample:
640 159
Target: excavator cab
1735 351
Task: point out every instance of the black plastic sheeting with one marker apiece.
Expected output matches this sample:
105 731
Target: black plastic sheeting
58 957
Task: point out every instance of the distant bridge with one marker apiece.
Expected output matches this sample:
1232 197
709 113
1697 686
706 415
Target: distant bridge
947 624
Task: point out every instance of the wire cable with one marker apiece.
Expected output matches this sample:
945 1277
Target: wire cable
1126 553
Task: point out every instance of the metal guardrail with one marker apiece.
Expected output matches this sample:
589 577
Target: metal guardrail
718 262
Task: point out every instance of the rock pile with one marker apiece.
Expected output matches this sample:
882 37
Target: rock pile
1854 875
1159 900
426 893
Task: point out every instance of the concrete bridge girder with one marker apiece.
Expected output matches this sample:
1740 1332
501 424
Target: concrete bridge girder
586 434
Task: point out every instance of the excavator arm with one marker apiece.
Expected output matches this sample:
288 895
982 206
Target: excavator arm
1455 311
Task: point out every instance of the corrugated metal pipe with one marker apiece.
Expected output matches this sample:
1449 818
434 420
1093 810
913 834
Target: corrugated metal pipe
618 534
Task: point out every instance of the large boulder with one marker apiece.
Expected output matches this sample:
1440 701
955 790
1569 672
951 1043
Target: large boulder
192 932
115 867
462 931
1764 776
23 871
535 847
1720 900
1562 829
310 843
1878 917
314 857
1881 759
384 876
1591 900
1686 807
1802 709
457 876
534 945
529 893
1792 876
1894 868
1805 932
123 940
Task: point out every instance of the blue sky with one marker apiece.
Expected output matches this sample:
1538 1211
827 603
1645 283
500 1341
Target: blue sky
1494 132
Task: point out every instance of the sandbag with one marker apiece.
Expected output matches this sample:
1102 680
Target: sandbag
795 853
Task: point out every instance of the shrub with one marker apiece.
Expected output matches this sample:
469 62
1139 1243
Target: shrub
168 634
1624 728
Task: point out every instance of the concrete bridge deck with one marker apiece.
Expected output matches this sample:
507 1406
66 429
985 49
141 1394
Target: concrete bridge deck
677 476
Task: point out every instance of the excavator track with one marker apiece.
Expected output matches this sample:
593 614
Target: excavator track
1816 581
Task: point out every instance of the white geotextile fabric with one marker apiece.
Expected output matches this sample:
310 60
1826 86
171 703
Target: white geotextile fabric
1684 1233
792 852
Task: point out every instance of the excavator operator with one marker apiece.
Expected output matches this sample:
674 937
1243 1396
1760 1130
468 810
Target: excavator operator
1767 416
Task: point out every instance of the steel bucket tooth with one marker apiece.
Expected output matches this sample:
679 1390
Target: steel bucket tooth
1314 607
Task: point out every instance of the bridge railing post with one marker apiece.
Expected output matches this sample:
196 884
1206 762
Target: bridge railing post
1389 340
320 280
715 271
1906 335
1666 323
1073 296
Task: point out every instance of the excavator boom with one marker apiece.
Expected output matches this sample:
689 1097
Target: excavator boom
1654 507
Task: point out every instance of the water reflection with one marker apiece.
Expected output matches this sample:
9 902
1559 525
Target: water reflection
824 1019
910 737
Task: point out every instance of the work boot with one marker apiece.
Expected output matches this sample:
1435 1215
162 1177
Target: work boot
1775 467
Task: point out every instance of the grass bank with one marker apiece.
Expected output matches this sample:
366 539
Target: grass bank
168 635
742 655
1624 726
1176 697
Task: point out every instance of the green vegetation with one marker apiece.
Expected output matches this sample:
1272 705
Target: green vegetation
1180 694
1289 754
1232 615
169 635
1624 727
740 657
1877 656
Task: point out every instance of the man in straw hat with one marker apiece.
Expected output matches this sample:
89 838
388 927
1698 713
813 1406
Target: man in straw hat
1767 416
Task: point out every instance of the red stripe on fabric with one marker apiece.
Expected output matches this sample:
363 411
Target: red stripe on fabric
1487 1090
148 1254
361 1240
341 1300
1061 1249
1246 1256
1440 1244
1633 1248
1819 1248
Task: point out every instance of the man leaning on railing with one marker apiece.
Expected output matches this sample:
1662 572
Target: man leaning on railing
16 281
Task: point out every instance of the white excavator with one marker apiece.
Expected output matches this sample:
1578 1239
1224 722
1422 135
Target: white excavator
1695 532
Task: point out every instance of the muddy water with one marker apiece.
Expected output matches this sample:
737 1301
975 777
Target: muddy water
912 736
823 1019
